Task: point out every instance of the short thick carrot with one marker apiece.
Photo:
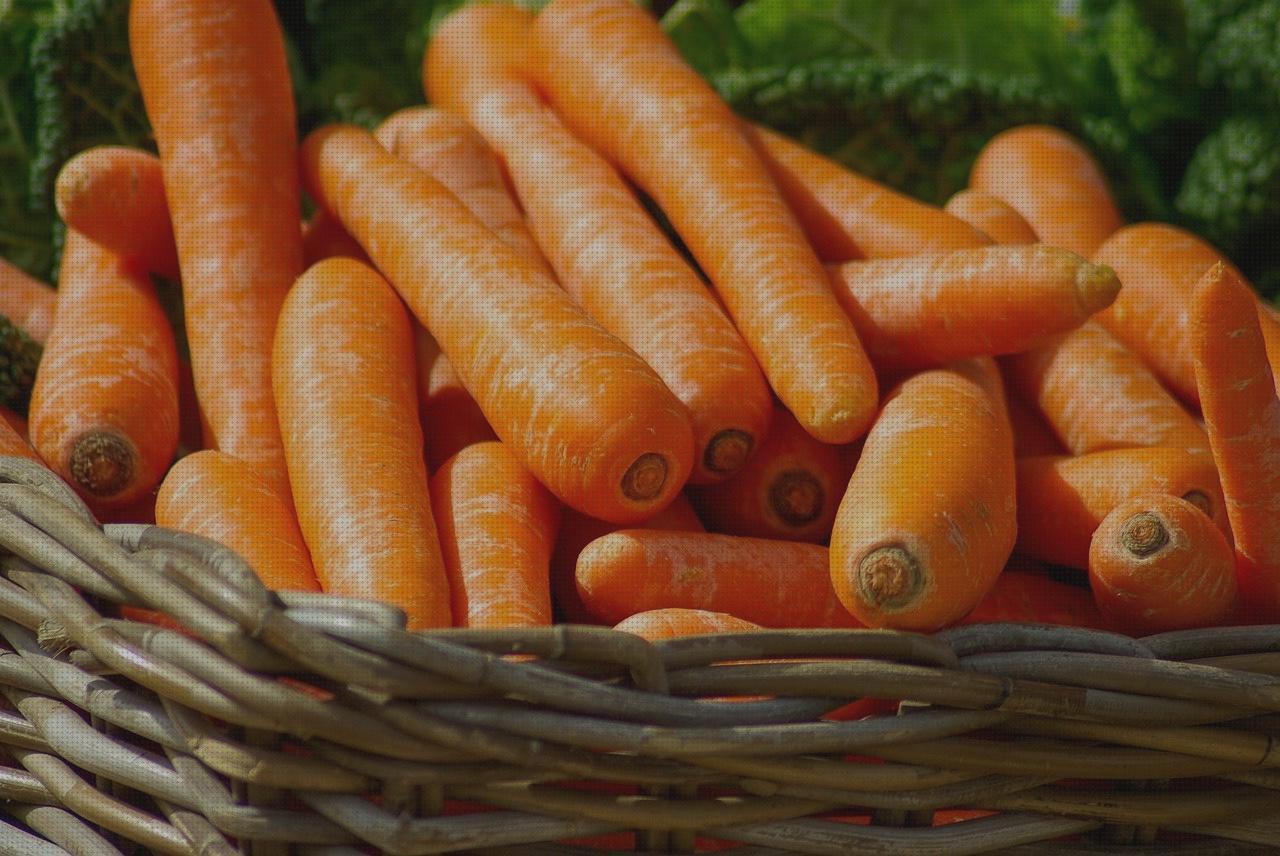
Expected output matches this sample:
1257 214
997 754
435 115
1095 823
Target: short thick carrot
789 489
451 419
848 216
606 249
1097 395
929 310
1026 596
770 583
114 195
104 409
1031 433
218 496
1242 413
26 301
620 84
324 238
586 415
497 528
1062 500
990 215
928 519
1052 180
1157 563
658 624
216 87
344 384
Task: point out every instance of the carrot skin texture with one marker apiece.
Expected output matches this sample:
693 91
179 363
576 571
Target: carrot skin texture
324 238
928 519
990 215
1032 597
343 377
26 301
216 87
621 85
582 410
218 496
104 408
658 624
605 248
13 442
497 528
1052 180
1031 433
451 419
929 310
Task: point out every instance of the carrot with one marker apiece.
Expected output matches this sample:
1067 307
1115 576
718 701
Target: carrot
1028 596
1157 563
1242 413
658 624
1097 395
605 248
114 195
620 84
1031 433
219 496
324 238
586 415
191 425
497 528
216 88
13 440
344 386
848 216
990 215
104 409
927 522
1049 177
770 583
14 420
789 489
929 310
451 419
1062 500
26 301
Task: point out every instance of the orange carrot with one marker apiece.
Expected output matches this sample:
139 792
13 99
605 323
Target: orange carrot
658 624
1157 563
1062 500
1097 395
770 583
927 522
324 238
216 87
605 248
26 301
586 415
619 82
451 419
218 496
1242 412
497 528
14 420
1049 178
789 489
848 216
104 410
1031 433
14 442
929 310
344 385
191 425
1027 596
114 195
994 217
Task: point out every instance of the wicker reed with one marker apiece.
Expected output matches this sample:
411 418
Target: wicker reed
288 723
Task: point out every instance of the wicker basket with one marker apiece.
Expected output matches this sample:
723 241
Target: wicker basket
315 724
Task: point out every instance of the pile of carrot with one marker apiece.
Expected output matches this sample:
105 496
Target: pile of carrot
484 385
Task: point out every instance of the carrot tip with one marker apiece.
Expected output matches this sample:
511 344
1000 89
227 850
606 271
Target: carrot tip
1144 534
645 478
727 451
102 463
1200 500
1096 287
889 577
796 497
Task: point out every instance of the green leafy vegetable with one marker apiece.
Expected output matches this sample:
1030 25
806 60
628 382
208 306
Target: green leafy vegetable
19 358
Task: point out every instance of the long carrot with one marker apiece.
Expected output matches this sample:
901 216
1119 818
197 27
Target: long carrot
104 410
1062 500
26 301
1028 596
216 87
620 84
343 379
497 528
929 310
1031 433
990 215
114 195
1242 413
324 238
927 521
1157 563
848 216
606 250
657 624
219 496
770 583
451 419
789 489
586 415
1049 178
1097 395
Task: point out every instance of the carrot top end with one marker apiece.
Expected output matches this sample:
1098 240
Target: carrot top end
727 451
645 478
890 578
102 463
1144 534
796 497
